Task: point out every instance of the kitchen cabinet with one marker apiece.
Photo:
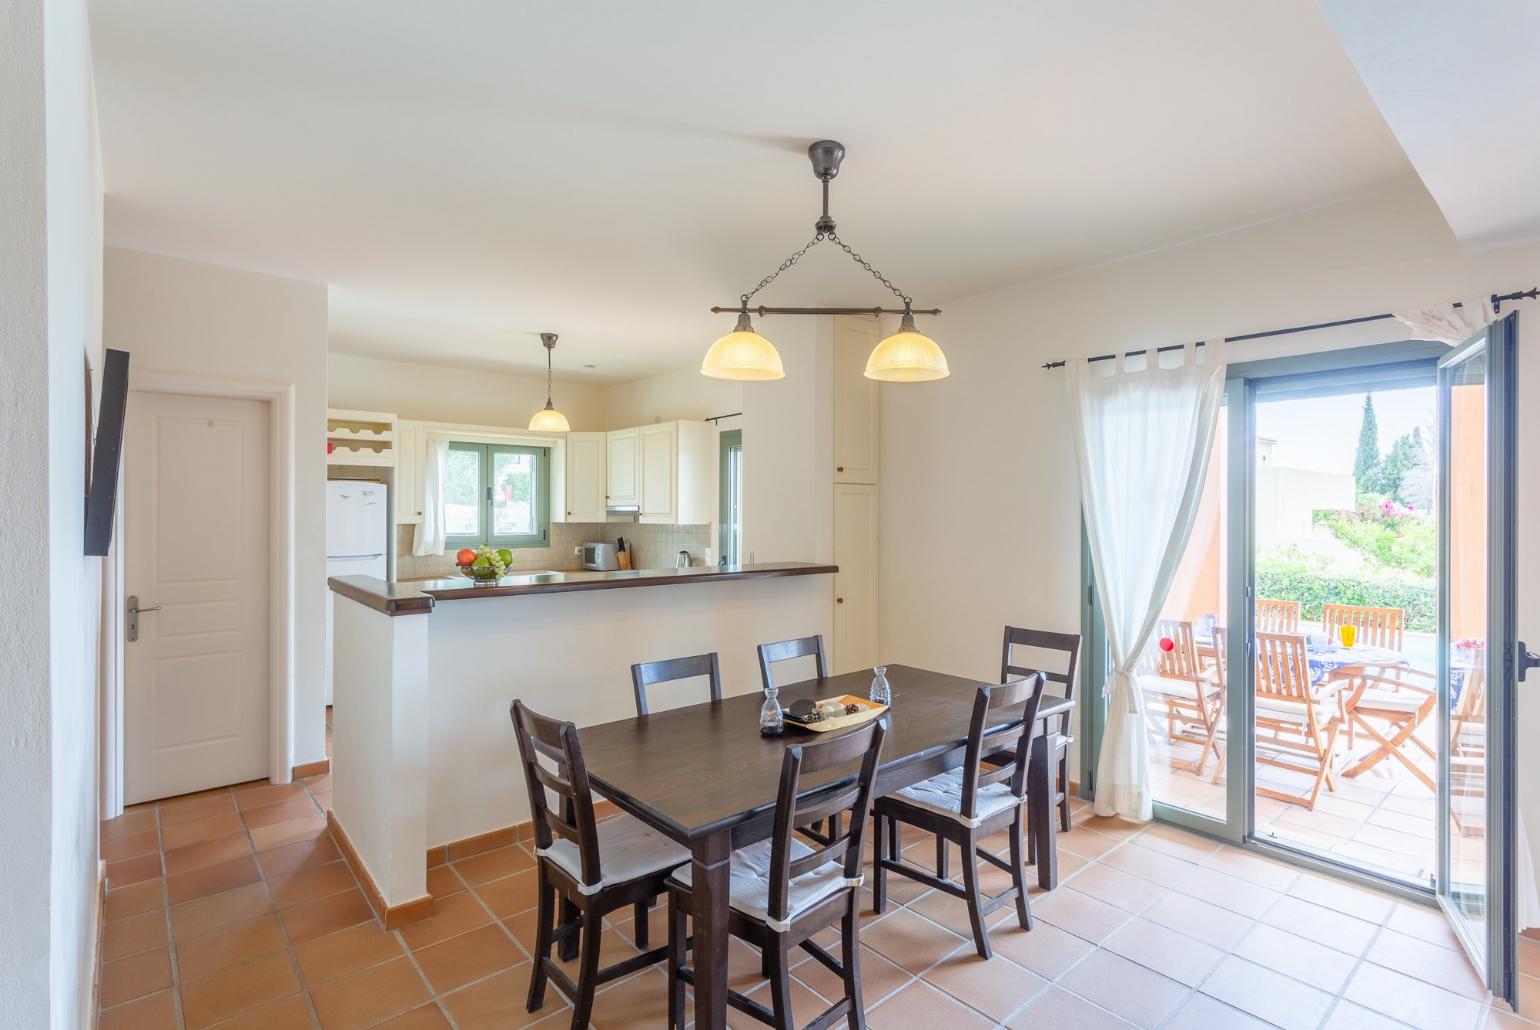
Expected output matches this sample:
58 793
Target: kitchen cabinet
660 471
587 479
411 445
855 400
623 466
855 585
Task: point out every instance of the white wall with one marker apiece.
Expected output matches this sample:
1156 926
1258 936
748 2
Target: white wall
438 393
195 318
788 448
683 393
979 489
50 327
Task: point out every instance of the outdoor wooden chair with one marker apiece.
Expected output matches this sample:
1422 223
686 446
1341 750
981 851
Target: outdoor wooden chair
1191 697
595 868
1468 748
1296 724
782 892
1377 627
965 805
1274 616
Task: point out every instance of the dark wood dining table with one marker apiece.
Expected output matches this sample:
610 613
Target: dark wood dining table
705 777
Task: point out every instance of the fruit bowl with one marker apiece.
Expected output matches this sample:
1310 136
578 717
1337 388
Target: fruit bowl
482 575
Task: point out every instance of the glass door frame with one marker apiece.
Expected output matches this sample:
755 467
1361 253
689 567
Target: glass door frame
1499 948
1241 386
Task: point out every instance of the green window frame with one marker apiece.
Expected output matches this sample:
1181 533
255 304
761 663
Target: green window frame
486 487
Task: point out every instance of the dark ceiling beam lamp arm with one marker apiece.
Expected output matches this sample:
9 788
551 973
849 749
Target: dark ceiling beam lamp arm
1497 302
905 356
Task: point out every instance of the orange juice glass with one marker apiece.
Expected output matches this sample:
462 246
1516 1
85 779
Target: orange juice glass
1349 634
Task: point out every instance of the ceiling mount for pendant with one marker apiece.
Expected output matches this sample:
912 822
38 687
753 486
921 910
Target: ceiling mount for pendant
906 356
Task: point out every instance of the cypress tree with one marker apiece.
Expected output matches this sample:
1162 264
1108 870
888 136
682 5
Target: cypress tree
1366 463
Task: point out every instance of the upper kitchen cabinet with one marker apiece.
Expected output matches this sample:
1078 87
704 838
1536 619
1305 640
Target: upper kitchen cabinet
677 466
410 446
587 480
855 400
623 466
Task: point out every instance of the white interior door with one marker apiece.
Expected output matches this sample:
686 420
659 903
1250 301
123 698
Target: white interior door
196 676
855 585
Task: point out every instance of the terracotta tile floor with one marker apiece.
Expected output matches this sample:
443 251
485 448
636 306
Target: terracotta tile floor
248 918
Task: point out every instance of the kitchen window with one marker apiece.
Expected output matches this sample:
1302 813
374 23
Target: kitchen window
497 495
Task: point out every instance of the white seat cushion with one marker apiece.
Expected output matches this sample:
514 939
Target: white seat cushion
749 887
628 850
943 793
1174 687
1391 700
1277 710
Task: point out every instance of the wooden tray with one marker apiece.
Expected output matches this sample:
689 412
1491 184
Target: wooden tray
841 722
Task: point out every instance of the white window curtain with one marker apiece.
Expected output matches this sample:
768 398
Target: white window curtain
1447 323
430 531
1142 435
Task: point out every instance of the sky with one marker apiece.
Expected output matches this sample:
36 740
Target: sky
1321 433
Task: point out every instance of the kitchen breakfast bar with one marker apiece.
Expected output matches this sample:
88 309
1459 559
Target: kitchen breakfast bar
424 754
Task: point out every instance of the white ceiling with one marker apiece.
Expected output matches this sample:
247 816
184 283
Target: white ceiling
466 173
1460 86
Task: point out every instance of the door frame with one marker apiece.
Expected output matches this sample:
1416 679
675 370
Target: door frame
279 397
1238 827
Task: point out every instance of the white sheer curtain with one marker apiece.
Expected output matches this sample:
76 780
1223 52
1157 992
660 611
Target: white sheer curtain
1142 436
1447 323
430 531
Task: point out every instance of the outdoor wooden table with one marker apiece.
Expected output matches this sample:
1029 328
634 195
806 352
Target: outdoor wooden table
704 776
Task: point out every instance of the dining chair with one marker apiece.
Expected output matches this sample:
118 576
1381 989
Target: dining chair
1274 616
1377 627
1191 697
965 805
1067 645
596 868
1402 705
645 674
1468 748
786 650
1301 721
782 891
1221 671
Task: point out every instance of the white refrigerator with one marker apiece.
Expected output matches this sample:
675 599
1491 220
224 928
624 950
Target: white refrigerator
357 541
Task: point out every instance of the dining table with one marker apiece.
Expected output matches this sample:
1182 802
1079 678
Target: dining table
704 776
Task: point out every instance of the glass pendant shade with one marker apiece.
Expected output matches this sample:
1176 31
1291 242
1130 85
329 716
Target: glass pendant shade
744 355
549 420
908 356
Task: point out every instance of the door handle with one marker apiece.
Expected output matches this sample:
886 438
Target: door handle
1527 660
131 632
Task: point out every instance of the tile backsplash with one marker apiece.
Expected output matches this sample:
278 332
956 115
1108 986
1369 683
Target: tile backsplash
651 547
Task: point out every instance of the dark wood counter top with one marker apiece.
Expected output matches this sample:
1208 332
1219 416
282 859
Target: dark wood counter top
418 598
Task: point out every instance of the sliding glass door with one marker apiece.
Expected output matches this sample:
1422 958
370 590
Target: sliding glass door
1477 650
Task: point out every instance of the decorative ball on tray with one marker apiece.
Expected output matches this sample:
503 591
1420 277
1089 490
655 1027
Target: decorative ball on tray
484 566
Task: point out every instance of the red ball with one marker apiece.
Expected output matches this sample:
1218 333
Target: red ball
1167 644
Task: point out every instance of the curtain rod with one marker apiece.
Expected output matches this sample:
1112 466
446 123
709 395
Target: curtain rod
1497 301
718 418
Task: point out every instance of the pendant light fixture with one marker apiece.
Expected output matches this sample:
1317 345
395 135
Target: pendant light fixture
548 419
908 356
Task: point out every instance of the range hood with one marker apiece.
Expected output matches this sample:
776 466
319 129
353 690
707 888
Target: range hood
632 510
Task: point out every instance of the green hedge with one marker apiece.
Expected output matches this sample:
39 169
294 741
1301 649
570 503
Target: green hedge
1311 588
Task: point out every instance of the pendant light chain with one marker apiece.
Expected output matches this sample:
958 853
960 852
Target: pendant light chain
815 241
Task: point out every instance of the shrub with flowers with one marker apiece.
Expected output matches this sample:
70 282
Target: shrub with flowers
1391 535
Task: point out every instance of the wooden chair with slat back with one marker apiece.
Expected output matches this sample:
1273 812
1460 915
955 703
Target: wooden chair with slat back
1377 627
1468 749
1067 644
967 804
1221 672
594 867
1275 616
645 674
1174 682
786 650
783 892
1296 723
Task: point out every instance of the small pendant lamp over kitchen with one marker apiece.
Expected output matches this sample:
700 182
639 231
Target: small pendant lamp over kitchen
548 419
908 356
